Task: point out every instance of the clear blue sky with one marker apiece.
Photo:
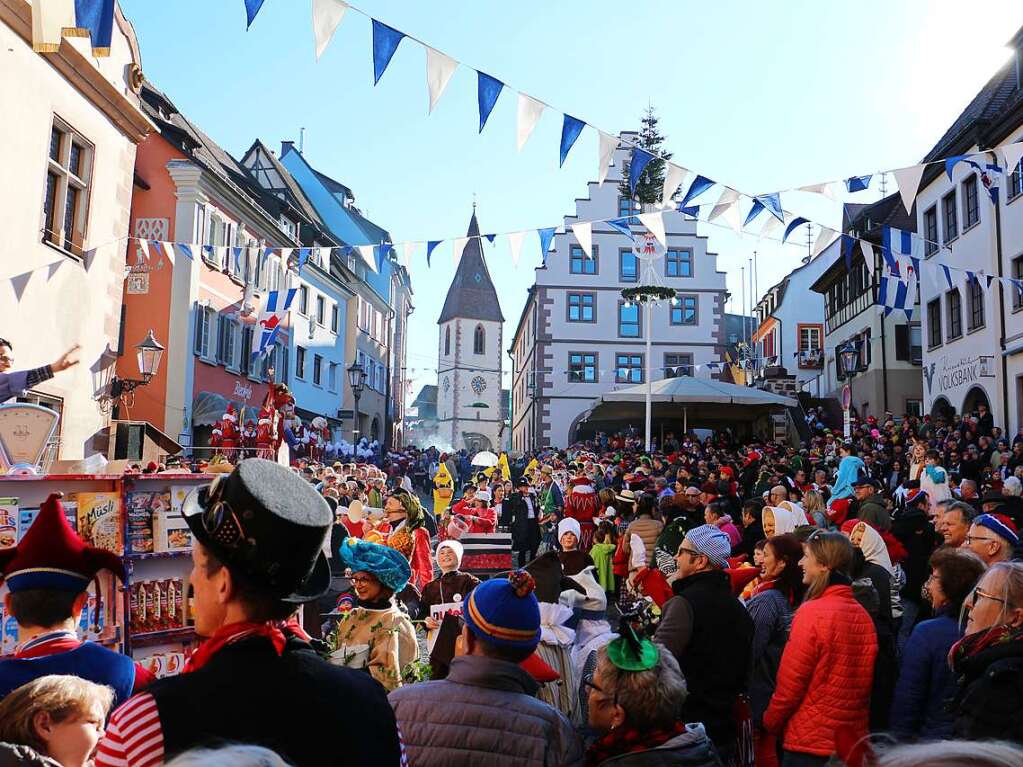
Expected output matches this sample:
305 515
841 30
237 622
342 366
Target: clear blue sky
761 96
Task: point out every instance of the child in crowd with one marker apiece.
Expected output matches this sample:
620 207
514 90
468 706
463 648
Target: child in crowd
601 553
934 480
572 559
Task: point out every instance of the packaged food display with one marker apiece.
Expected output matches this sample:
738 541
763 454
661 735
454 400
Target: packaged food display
8 522
170 532
99 520
139 508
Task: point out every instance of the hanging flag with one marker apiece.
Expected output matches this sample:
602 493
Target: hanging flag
769 227
622 225
251 9
857 183
515 245
640 159
608 145
893 293
824 240
19 283
457 248
327 15
689 210
793 225
529 112
951 162
772 203
95 19
430 246
571 127
487 90
847 249
368 255
184 249
53 268
654 222
868 255
1011 155
303 257
908 180
546 238
490 238
439 69
897 245
822 189
407 249
49 20
674 175
754 211
277 306
700 185
583 232
385 42
727 207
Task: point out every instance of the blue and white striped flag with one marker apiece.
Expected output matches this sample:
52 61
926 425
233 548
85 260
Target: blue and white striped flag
893 293
902 251
276 308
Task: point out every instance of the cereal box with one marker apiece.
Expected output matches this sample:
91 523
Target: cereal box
8 522
99 520
155 605
25 519
9 631
174 604
140 521
133 607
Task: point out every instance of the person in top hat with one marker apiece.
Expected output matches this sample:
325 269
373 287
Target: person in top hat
47 575
485 713
259 537
376 636
520 513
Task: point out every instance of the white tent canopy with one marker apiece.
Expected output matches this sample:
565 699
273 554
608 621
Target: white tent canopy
687 390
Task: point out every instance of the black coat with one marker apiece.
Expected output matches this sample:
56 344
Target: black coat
914 530
296 704
990 696
515 516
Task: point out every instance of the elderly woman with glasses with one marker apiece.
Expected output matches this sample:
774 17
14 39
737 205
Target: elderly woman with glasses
375 635
988 661
634 698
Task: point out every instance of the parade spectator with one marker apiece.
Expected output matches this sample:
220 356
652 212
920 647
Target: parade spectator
771 606
645 525
53 720
717 514
752 528
956 522
13 384
710 634
375 635
988 660
258 553
992 537
484 714
573 560
822 698
926 685
951 753
521 515
228 756
634 698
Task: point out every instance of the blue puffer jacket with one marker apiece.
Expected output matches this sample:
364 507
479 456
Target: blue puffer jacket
926 684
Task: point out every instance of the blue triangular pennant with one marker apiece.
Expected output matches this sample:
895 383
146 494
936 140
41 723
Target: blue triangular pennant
847 249
640 159
857 183
97 16
700 185
951 162
570 130
546 238
237 259
430 248
490 238
487 91
303 256
251 9
772 202
184 249
385 43
753 211
793 224
948 275
622 225
690 210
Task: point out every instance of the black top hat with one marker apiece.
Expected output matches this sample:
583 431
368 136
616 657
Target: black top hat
862 479
267 523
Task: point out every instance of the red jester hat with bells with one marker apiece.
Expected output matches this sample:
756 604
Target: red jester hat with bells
52 556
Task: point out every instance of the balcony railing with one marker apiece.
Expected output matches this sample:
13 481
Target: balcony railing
810 359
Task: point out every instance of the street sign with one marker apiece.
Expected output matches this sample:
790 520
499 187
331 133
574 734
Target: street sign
846 397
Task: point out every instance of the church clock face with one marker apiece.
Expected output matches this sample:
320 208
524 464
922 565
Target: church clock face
478 384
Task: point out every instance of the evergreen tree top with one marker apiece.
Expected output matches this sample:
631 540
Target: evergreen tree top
651 181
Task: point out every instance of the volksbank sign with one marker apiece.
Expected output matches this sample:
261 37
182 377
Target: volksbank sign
951 373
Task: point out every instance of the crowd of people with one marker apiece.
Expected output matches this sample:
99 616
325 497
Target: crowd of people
705 602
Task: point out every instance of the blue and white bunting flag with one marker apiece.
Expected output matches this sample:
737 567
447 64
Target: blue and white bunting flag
546 238
487 90
894 294
570 130
640 159
899 247
385 42
700 185
857 183
251 9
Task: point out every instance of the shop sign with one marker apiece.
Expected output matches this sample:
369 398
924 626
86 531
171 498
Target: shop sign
137 283
951 373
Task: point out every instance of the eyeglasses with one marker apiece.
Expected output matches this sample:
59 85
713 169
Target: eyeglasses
984 595
591 685
971 538
682 550
362 580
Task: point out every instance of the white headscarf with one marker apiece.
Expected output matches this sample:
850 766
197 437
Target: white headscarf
798 513
873 547
784 520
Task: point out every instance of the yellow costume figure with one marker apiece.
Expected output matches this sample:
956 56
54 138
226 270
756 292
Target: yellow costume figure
443 489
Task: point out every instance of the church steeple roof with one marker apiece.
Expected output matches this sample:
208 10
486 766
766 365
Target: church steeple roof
472 295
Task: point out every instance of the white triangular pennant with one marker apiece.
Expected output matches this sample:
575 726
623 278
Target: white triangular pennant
673 177
456 249
439 68
1011 154
583 232
727 208
769 227
89 258
824 239
285 256
366 252
407 249
868 255
908 180
608 145
823 189
327 14
515 245
529 114
654 222
19 283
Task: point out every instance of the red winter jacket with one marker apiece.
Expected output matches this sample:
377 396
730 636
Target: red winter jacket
821 700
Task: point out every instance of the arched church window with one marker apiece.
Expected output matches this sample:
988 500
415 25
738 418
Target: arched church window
447 340
479 340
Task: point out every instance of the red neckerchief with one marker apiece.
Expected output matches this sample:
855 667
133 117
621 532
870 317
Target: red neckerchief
627 740
48 644
235 632
764 586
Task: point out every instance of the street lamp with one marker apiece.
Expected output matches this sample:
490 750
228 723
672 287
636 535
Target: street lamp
849 354
149 354
357 380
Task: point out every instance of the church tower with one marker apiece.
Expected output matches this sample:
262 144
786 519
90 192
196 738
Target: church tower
469 355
